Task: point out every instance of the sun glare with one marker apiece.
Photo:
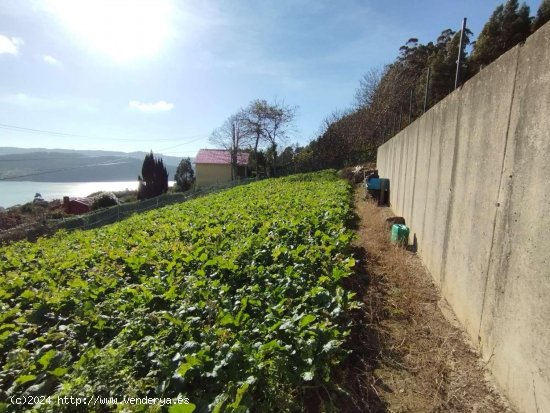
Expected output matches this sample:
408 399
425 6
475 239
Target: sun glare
121 29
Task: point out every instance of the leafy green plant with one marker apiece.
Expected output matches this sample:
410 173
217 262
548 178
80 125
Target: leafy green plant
233 300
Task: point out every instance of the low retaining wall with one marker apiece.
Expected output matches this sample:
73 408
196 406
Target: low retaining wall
472 179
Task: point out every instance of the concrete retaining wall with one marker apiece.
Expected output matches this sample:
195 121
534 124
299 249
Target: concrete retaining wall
472 179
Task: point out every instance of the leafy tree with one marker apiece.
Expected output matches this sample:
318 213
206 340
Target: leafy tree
543 15
304 160
185 175
286 156
258 161
154 177
509 25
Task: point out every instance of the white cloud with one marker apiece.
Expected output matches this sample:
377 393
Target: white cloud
10 45
160 106
51 60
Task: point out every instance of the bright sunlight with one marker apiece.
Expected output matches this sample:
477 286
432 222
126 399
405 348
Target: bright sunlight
124 30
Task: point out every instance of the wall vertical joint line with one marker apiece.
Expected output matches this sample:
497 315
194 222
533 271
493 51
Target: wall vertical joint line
450 204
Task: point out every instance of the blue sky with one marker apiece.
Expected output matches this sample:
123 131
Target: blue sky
138 75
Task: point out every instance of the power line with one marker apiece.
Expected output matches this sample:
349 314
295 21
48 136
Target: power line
180 152
181 144
15 128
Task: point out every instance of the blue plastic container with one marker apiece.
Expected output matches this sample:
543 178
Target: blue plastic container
373 183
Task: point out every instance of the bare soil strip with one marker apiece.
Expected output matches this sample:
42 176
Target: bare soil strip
408 357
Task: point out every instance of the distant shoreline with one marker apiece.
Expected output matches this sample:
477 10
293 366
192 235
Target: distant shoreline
21 192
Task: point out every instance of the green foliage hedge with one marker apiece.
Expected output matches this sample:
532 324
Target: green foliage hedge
232 300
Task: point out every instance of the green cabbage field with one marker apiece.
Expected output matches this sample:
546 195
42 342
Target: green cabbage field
233 301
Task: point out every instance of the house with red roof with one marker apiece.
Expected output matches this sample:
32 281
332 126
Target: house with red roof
213 166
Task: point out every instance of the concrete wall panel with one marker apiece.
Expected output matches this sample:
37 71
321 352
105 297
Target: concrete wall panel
472 179
516 319
441 160
399 176
481 137
421 184
410 170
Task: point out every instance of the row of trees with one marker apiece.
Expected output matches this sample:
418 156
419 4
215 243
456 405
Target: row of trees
260 128
153 180
390 98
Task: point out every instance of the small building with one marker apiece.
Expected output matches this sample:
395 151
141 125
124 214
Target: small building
213 166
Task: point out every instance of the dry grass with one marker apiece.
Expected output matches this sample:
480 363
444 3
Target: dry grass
407 356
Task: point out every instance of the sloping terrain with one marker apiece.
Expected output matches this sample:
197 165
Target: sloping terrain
234 301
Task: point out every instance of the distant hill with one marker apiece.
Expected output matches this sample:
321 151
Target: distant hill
64 165
8 150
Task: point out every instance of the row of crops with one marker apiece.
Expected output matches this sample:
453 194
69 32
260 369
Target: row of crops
233 301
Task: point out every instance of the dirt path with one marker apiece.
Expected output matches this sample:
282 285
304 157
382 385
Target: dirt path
410 358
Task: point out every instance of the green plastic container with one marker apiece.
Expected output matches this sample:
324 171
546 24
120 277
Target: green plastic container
400 234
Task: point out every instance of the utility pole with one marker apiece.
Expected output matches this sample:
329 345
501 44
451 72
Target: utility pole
427 89
460 49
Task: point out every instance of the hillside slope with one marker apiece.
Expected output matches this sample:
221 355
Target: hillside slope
232 300
75 166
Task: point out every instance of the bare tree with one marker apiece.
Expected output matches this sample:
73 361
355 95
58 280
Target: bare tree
254 120
267 124
368 84
231 137
279 121
260 124
334 117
